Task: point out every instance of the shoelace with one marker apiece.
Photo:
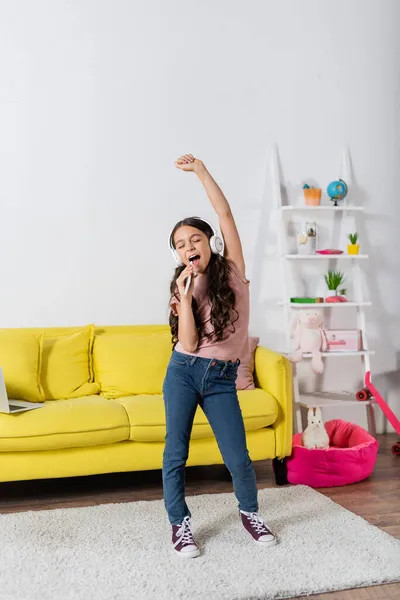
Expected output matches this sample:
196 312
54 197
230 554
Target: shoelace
258 524
185 534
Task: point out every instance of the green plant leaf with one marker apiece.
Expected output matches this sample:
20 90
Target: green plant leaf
334 279
353 237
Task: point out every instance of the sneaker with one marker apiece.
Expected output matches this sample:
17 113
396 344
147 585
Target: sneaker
183 540
258 530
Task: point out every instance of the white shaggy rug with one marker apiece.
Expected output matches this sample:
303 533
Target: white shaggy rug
122 551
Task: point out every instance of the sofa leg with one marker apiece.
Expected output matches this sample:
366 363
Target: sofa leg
280 471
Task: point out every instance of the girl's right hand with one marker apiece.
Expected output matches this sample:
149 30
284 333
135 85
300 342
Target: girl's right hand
188 162
181 282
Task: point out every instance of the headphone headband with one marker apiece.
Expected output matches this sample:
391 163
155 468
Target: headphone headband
199 219
216 242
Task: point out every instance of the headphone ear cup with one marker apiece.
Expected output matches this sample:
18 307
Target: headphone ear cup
216 244
177 259
212 244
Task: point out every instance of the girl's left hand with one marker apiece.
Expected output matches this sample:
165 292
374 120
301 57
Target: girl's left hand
188 162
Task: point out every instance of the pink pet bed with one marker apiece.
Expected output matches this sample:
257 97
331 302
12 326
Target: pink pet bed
351 457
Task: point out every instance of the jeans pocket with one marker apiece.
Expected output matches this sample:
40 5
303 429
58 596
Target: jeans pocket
180 359
231 373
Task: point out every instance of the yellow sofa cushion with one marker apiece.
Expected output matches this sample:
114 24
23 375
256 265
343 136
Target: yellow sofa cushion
66 365
126 363
70 423
146 415
20 359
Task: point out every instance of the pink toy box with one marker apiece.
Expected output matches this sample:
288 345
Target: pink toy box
343 340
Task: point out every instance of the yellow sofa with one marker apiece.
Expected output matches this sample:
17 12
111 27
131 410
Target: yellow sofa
93 434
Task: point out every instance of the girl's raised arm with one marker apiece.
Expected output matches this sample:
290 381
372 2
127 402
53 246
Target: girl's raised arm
233 245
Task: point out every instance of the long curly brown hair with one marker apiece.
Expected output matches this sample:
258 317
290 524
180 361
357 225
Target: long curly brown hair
220 294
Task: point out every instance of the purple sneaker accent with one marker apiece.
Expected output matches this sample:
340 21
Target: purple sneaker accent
258 530
183 540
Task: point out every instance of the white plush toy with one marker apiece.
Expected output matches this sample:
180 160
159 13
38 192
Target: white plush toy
315 436
308 335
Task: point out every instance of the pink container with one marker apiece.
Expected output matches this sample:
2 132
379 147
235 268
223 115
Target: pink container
351 457
343 340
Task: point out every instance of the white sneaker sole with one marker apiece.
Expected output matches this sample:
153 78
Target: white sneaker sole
189 554
269 543
272 542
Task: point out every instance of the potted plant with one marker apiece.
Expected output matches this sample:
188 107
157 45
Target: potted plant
333 280
353 247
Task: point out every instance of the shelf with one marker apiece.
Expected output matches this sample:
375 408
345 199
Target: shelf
326 256
337 354
343 353
348 211
325 304
324 208
332 399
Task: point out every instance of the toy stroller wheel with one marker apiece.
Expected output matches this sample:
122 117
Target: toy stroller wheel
362 395
396 449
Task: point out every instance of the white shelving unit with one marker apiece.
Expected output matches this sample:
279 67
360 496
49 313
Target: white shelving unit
322 208
325 304
322 399
341 354
336 400
326 256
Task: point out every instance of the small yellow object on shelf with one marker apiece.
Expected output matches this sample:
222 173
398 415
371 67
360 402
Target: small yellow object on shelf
303 238
353 248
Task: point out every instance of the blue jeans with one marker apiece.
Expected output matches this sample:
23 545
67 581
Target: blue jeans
210 383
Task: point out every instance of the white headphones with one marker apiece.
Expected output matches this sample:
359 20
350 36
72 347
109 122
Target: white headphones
216 243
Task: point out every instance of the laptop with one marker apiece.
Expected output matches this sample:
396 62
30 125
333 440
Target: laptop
13 406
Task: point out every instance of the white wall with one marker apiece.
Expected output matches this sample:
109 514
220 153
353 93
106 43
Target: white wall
99 97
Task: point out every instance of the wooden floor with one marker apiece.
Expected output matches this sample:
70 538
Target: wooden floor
376 499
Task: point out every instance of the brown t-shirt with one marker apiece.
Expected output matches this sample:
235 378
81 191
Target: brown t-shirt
235 342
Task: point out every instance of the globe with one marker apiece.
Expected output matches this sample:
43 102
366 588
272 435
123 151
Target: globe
337 190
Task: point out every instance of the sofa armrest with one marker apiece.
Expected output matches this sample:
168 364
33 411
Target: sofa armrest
273 373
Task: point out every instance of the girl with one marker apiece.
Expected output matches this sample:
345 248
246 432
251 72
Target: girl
209 325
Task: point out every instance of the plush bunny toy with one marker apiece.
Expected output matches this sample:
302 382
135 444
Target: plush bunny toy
308 335
315 436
